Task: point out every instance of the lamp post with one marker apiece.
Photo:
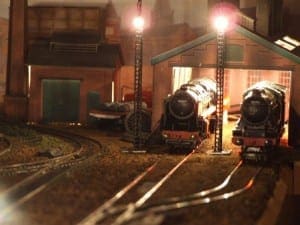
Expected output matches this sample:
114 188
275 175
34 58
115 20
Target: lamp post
221 23
138 23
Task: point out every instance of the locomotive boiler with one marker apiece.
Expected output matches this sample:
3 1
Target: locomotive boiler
187 114
261 124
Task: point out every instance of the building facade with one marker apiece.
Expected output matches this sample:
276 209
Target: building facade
250 58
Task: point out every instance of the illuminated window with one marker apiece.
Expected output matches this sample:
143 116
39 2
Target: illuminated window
288 43
291 41
181 75
285 45
254 76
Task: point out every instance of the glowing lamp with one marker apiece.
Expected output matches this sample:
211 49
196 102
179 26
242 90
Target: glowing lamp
221 23
138 23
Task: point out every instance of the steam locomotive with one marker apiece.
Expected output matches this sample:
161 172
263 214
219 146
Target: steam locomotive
261 124
187 117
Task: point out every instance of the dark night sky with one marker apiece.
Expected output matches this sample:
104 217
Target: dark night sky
192 11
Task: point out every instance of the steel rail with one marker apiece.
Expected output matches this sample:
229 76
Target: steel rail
194 202
28 167
107 208
60 161
132 207
202 193
8 149
36 187
51 171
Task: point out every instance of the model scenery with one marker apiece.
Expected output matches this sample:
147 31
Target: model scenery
188 114
261 124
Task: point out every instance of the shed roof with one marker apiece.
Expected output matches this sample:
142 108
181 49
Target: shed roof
291 55
106 56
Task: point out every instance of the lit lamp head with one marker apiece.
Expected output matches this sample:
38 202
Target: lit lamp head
221 23
223 17
138 23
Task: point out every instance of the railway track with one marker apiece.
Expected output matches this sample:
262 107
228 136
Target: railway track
135 210
121 209
199 198
6 143
29 187
84 147
108 208
46 172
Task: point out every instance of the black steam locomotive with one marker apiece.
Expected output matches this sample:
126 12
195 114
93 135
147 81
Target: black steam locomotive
261 125
187 114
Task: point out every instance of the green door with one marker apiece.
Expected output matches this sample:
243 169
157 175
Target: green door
61 100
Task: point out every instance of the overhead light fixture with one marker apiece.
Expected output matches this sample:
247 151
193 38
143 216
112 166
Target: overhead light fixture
285 45
292 41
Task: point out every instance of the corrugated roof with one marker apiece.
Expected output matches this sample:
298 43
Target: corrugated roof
210 36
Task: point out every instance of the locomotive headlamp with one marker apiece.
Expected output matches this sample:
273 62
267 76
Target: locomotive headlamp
268 142
165 136
238 141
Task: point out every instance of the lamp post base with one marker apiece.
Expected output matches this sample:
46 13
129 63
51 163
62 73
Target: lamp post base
134 150
223 152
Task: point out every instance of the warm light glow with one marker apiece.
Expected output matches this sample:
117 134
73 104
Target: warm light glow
29 79
285 45
223 16
138 23
226 106
112 91
221 23
292 41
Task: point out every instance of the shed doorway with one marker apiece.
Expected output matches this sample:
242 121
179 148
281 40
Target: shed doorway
236 81
61 100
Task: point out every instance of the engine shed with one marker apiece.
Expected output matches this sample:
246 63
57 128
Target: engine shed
70 55
249 58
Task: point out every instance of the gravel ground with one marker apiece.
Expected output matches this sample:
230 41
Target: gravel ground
74 197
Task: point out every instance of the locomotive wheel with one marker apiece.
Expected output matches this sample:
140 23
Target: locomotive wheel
145 122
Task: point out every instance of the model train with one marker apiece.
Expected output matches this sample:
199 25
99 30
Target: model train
261 124
187 120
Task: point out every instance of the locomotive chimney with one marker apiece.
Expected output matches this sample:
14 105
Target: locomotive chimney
269 17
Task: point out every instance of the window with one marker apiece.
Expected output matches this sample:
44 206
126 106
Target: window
285 80
254 76
181 75
234 53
